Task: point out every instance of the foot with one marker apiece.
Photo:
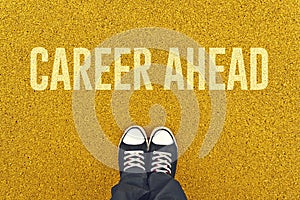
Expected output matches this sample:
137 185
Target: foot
132 149
163 151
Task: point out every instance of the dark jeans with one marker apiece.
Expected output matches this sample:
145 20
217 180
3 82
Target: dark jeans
158 186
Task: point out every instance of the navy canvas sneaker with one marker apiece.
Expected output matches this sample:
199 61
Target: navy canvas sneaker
132 149
163 151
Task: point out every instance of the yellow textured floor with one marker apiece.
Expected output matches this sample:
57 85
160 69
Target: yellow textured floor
257 156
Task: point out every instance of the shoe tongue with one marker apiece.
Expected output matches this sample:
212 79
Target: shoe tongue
134 169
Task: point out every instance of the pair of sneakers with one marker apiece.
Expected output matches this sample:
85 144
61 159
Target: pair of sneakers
138 155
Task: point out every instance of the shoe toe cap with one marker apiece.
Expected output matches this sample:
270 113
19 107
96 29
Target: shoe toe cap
162 137
134 136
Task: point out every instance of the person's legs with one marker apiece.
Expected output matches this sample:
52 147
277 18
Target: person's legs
133 183
131 187
163 157
163 186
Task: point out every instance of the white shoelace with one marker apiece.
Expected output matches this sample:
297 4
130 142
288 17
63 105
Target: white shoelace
134 159
162 162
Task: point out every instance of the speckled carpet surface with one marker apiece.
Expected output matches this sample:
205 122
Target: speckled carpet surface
257 154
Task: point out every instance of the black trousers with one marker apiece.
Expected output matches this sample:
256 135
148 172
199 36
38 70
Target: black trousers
156 186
